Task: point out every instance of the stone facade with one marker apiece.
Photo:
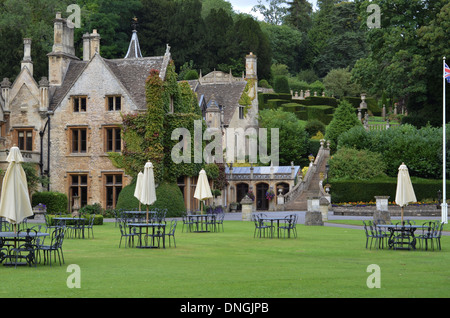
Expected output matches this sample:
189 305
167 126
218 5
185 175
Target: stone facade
66 125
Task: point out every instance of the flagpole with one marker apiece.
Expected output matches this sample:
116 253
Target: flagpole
444 213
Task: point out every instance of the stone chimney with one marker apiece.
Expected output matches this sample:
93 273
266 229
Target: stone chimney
63 51
26 62
6 87
43 94
94 46
86 47
251 66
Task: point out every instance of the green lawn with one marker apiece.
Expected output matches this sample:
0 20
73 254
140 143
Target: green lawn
320 262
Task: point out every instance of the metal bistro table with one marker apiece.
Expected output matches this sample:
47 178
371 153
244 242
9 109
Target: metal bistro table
201 219
272 219
160 233
401 235
18 238
79 223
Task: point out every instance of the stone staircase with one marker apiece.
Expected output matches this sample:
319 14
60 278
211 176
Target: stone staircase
297 198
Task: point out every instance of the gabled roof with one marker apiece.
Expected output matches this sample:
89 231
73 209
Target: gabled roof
59 92
131 73
226 95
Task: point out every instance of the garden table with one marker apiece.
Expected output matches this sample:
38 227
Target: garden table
401 235
160 229
272 219
79 223
17 237
202 219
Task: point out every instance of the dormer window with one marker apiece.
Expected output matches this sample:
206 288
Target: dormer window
79 104
114 103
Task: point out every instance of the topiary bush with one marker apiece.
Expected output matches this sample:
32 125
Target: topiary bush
55 202
168 196
348 163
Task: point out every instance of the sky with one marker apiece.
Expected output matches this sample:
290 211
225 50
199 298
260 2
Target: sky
245 6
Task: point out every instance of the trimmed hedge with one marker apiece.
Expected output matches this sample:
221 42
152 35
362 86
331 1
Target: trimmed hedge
168 196
365 191
55 202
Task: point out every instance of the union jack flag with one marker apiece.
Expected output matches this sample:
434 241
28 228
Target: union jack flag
447 72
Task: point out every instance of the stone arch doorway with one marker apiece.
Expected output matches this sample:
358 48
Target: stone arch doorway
261 202
241 191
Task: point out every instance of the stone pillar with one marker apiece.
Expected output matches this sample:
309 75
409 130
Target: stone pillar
313 218
382 212
86 46
246 204
313 204
323 206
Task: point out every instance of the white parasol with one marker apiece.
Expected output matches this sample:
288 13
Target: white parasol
138 189
15 203
405 192
148 189
202 190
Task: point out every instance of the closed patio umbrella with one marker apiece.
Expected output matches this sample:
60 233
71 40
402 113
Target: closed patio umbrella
202 190
405 192
148 189
138 189
15 203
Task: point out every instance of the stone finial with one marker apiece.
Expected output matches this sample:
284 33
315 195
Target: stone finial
44 82
5 83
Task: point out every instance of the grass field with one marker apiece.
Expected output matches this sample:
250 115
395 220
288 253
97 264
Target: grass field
327 262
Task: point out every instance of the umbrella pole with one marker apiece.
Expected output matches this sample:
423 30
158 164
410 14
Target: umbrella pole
402 217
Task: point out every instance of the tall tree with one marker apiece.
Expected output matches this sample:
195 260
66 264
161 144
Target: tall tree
299 15
27 19
274 12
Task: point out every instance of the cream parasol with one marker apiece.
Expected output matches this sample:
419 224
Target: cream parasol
405 192
15 203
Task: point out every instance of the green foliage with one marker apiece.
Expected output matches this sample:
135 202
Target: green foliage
339 83
419 149
293 139
95 208
344 119
348 163
281 85
366 190
33 179
180 120
313 126
168 196
55 202
191 75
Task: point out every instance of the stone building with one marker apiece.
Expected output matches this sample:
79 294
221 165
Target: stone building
67 124
258 181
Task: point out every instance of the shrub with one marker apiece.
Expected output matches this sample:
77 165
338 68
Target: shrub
313 126
281 85
168 196
55 202
366 190
191 75
95 208
343 120
348 163
419 149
